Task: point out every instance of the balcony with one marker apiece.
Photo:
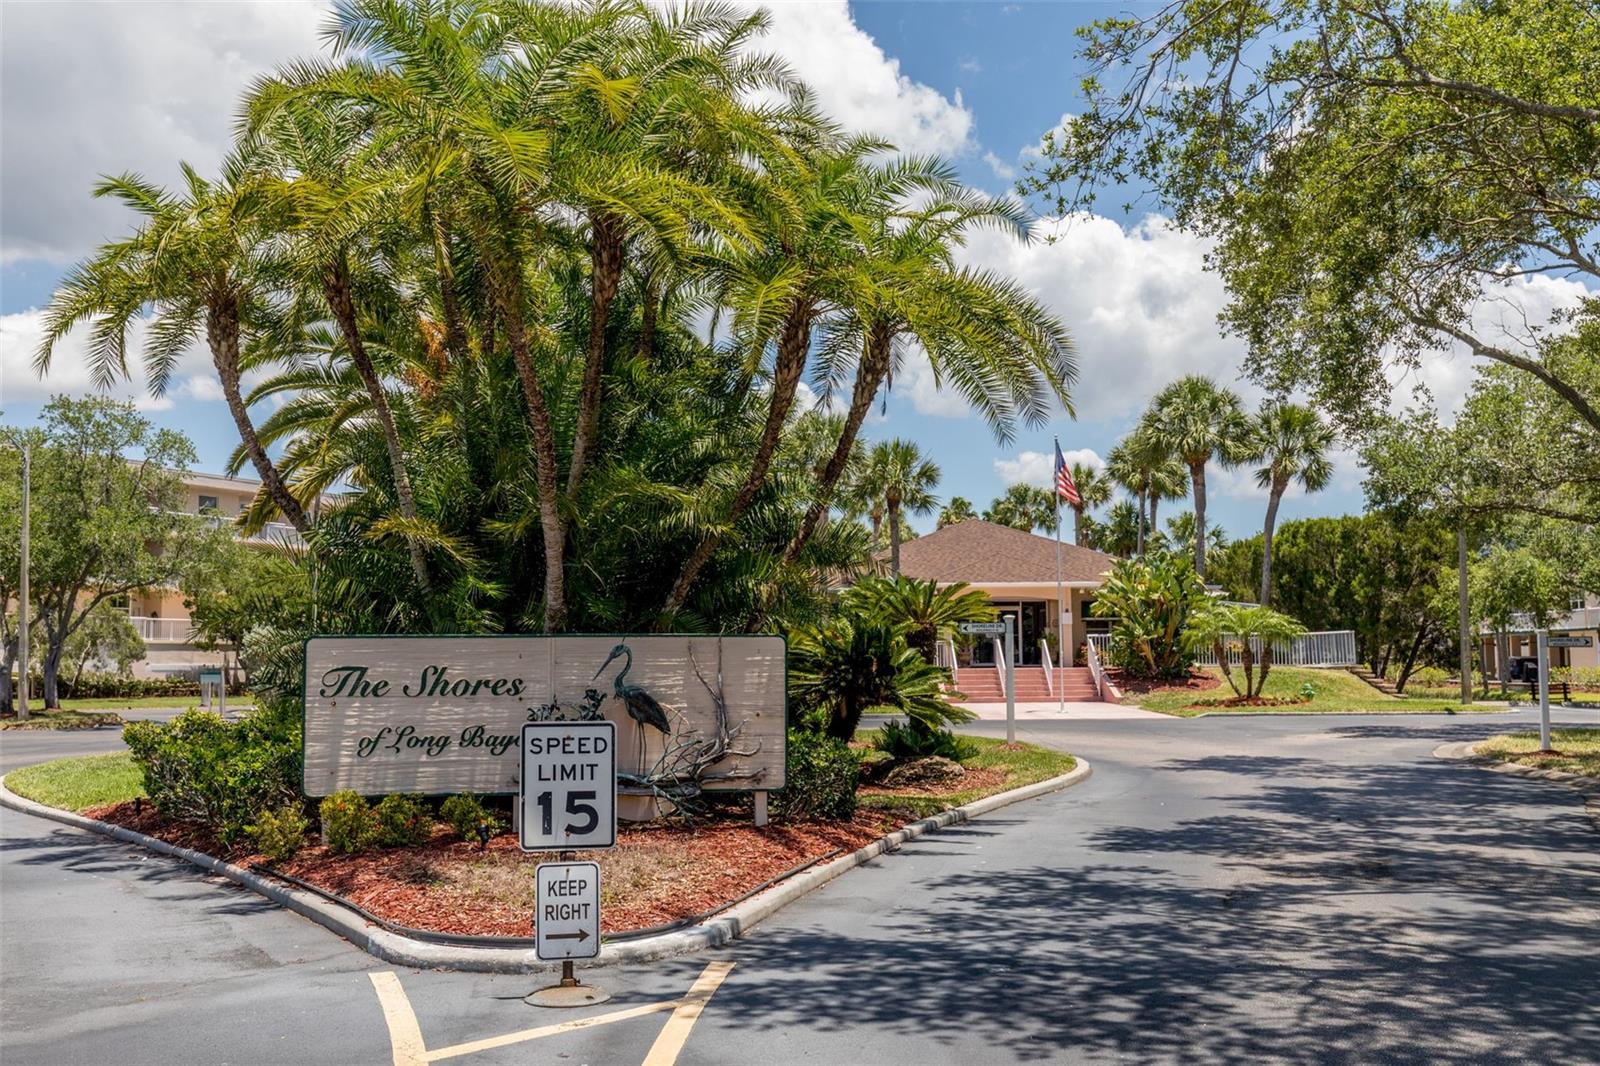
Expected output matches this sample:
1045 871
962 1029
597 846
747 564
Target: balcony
162 630
273 534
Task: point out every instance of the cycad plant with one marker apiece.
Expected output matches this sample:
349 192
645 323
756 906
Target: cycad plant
929 610
855 663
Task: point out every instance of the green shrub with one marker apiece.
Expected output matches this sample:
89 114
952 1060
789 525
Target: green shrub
858 661
279 834
822 776
203 770
348 822
465 813
403 821
1429 677
1150 600
911 741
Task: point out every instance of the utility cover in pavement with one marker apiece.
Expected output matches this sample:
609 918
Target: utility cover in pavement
567 910
569 786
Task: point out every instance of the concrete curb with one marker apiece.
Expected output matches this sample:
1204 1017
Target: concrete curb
1339 714
1467 751
419 954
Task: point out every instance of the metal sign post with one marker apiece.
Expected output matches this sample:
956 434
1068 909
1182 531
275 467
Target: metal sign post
1544 689
1011 685
567 800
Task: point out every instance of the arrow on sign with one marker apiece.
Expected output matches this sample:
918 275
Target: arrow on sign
580 936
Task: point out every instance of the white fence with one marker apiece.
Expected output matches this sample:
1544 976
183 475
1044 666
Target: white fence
1329 647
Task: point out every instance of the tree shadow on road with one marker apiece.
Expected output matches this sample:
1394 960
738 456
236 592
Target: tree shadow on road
1424 913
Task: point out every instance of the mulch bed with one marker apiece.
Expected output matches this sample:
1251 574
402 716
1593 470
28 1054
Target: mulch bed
1253 701
1198 681
658 872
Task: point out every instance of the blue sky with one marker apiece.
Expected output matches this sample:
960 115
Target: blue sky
95 88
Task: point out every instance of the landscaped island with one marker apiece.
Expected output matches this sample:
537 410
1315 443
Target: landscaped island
444 878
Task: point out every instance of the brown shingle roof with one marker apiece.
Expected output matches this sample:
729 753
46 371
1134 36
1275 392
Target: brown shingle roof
979 551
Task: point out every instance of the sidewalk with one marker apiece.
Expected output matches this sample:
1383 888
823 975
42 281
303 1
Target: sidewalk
1070 711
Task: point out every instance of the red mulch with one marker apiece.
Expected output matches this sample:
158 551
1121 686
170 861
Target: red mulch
1253 701
656 874
1198 681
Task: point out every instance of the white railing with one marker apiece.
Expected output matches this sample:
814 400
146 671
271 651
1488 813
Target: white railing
162 630
281 534
1329 647
1000 664
1049 667
944 654
1097 670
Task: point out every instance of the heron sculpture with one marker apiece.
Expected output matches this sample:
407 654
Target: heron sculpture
642 707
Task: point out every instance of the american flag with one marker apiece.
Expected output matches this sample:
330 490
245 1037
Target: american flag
1066 488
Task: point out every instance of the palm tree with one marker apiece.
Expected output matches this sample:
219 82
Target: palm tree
985 335
1025 507
334 196
907 479
959 509
1293 441
1119 533
1094 490
198 258
1140 465
1198 421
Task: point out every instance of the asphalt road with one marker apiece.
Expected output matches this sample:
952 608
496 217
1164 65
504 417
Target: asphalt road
1222 890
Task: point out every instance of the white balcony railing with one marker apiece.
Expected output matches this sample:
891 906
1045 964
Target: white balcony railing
162 630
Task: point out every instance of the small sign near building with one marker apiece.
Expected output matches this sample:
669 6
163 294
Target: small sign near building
988 629
567 914
1570 642
569 788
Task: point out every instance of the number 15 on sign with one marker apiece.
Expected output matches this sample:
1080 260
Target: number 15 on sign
569 786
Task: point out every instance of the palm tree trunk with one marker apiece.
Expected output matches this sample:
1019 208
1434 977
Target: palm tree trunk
1198 473
508 296
647 319
1077 525
336 288
793 343
455 334
605 259
1155 499
222 336
1278 486
1143 497
870 372
894 534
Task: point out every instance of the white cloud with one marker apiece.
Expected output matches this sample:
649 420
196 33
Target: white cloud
91 89
1038 468
970 65
192 378
859 85
1002 170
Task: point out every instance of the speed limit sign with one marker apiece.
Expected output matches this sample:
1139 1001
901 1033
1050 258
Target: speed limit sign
568 786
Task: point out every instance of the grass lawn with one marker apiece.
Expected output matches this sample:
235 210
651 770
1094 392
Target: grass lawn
234 703
1577 750
65 719
80 782
1023 764
1337 692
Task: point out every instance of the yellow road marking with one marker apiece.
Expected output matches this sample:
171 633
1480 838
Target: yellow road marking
405 1035
664 1052
548 1030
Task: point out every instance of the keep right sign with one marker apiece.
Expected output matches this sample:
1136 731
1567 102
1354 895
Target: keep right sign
566 910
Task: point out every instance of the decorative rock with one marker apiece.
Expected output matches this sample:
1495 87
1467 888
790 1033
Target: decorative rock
920 773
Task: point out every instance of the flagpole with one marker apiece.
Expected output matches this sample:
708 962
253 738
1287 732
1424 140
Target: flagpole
1061 637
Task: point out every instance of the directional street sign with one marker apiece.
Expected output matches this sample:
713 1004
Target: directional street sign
566 910
993 629
1571 642
568 786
